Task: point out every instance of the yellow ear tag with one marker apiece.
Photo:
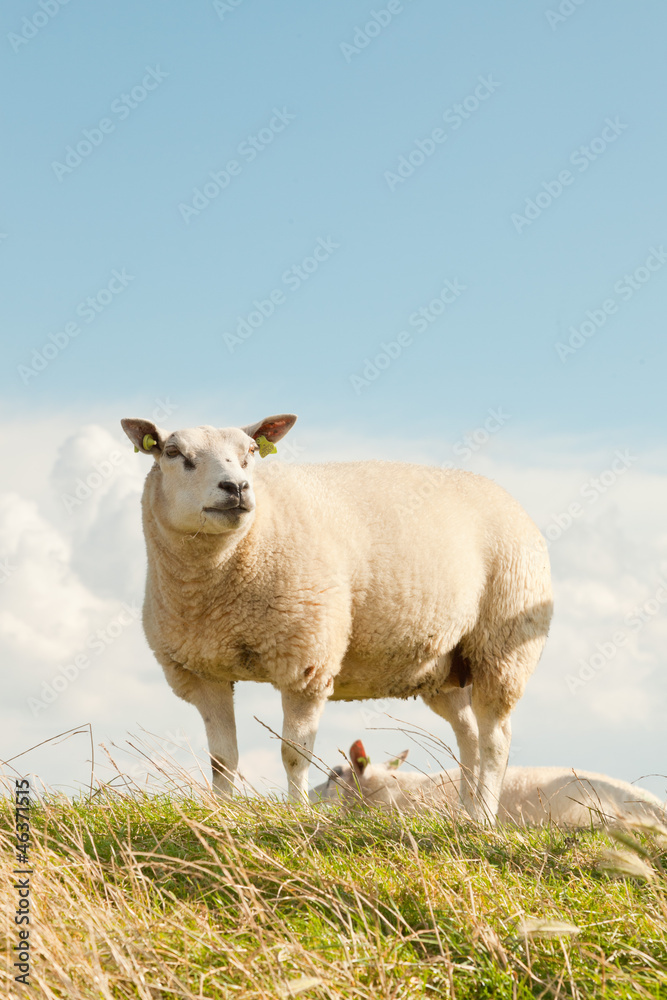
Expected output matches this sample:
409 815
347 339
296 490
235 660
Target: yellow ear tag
265 447
148 442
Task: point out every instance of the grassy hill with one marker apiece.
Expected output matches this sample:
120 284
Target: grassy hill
168 897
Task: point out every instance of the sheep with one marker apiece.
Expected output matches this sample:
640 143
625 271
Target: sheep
339 581
531 796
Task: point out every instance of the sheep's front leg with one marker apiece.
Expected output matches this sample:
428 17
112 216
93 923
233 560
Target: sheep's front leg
215 702
301 716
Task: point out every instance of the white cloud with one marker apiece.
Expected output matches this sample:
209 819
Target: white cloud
67 568
45 606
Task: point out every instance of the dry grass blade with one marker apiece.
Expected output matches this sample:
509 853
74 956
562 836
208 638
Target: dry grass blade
538 927
626 838
487 938
623 864
297 986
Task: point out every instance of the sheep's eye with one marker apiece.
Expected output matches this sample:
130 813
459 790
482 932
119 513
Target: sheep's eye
172 452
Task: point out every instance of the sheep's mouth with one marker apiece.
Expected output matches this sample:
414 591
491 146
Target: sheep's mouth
236 508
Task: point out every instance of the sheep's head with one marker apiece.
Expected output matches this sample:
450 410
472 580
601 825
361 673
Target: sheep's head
357 779
205 473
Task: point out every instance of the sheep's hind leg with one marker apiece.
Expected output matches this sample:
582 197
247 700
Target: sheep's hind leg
455 707
501 667
301 716
495 737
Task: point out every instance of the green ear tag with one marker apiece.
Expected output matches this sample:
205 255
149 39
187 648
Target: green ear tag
265 447
148 442
136 450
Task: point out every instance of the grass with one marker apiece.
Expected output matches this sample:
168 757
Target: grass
177 895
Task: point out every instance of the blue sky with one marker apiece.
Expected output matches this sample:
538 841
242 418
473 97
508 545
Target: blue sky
530 212
323 176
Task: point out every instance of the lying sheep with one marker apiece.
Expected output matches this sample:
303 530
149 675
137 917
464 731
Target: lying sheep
339 580
530 795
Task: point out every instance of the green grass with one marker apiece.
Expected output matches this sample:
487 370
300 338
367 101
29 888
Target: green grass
163 897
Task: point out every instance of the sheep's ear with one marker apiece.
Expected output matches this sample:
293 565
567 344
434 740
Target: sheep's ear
396 762
144 435
358 757
272 428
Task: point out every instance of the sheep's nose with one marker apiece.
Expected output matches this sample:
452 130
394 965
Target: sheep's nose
228 487
236 489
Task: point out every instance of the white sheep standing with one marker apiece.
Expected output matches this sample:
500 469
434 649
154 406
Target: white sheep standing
338 580
531 796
